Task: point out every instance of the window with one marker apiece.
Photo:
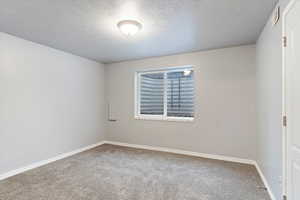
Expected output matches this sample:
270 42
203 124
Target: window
165 94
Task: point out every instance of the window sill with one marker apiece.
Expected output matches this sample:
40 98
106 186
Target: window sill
168 119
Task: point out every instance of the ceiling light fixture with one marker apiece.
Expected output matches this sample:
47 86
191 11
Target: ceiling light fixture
129 27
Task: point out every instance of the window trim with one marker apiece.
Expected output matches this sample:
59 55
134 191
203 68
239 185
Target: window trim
163 117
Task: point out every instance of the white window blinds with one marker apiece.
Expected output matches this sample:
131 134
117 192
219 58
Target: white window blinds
152 94
180 94
165 94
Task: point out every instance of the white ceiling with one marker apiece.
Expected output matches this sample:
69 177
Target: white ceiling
88 27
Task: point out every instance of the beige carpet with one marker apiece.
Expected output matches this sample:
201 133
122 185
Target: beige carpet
118 173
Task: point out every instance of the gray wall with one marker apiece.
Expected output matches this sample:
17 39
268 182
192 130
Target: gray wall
269 100
225 122
51 102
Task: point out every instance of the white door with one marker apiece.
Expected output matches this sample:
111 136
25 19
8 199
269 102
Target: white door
292 97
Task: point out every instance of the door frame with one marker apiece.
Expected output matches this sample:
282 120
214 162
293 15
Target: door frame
285 164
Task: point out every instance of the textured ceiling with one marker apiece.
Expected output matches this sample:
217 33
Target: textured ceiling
88 27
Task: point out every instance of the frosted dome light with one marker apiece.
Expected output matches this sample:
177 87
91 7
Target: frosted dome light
129 27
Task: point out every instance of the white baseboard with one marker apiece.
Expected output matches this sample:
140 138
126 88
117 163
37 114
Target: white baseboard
183 152
265 181
44 162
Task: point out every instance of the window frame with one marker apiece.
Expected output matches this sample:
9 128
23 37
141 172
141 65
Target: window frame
163 117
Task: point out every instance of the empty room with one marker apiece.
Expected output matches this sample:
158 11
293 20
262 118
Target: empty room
149 100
